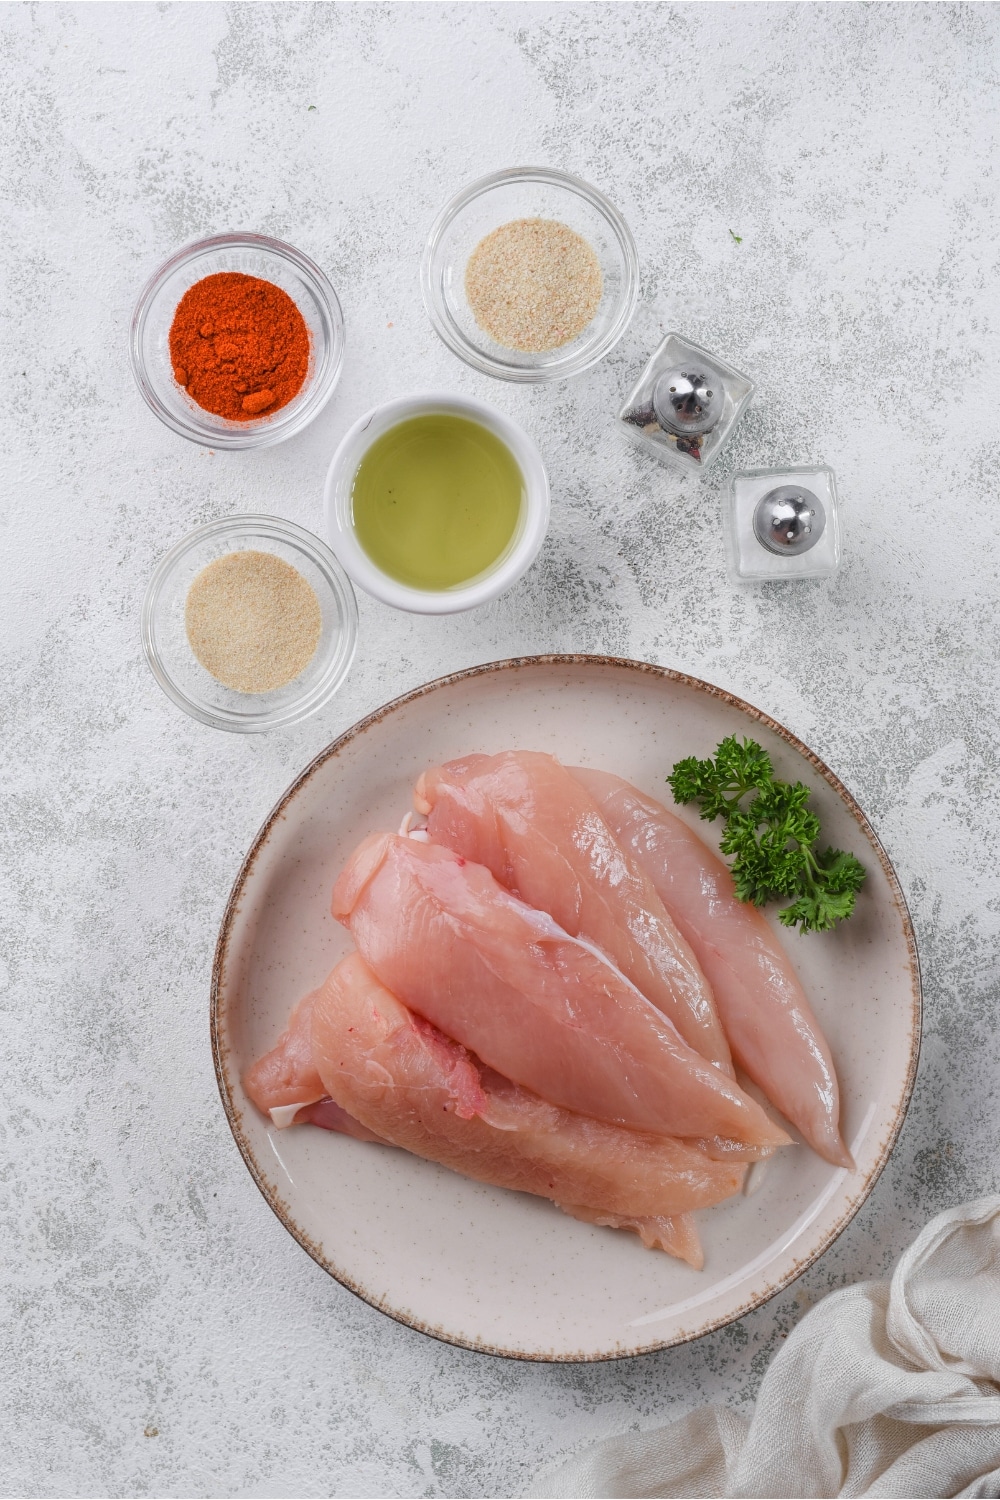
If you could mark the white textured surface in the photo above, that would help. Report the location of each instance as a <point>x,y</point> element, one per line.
<point>147,1287</point>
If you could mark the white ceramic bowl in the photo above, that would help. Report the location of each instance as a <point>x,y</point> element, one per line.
<point>354,559</point>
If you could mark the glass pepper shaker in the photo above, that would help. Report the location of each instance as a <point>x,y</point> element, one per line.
<point>686,404</point>
<point>782,524</point>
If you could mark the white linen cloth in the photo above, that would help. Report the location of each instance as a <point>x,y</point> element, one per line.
<point>886,1389</point>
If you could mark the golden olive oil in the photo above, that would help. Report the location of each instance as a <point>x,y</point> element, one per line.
<point>437,501</point>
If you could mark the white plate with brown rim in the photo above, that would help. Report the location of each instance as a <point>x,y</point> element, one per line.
<point>503,1272</point>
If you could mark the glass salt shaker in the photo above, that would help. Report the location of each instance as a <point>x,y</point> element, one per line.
<point>782,524</point>
<point>686,405</point>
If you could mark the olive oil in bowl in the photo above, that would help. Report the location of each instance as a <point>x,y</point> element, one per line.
<point>437,501</point>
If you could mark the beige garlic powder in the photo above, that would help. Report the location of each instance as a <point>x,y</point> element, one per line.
<point>253,621</point>
<point>533,284</point>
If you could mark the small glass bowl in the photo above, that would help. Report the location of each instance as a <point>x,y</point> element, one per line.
<point>177,669</point>
<point>528,193</point>
<point>254,255</point>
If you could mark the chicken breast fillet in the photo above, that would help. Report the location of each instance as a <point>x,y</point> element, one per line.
<point>548,1011</point>
<point>409,1085</point>
<point>543,836</point>
<point>772,1030</point>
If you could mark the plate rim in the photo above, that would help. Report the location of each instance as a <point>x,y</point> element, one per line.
<point>281,1209</point>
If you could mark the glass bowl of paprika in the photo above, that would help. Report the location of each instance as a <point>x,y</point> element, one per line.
<point>237,341</point>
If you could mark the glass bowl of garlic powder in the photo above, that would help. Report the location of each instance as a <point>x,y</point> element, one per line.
<point>530,275</point>
<point>250,624</point>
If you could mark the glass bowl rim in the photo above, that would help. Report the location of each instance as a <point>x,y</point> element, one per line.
<point>455,339</point>
<point>237,437</point>
<point>268,527</point>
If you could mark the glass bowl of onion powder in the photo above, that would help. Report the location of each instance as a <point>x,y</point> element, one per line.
<point>249,624</point>
<point>530,275</point>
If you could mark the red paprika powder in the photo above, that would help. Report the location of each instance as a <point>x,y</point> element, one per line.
<point>239,346</point>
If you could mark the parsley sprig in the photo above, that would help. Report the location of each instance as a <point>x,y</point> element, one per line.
<point>772,837</point>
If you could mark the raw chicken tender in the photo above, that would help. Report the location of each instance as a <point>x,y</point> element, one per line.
<point>412,1086</point>
<point>678,1236</point>
<point>284,1082</point>
<point>542,835</point>
<point>775,1037</point>
<point>547,1011</point>
<point>287,1075</point>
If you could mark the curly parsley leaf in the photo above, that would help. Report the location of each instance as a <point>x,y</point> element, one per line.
<point>771,837</point>
<point>719,784</point>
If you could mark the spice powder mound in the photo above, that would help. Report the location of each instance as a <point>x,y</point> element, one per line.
<point>239,346</point>
<point>533,284</point>
<point>253,621</point>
